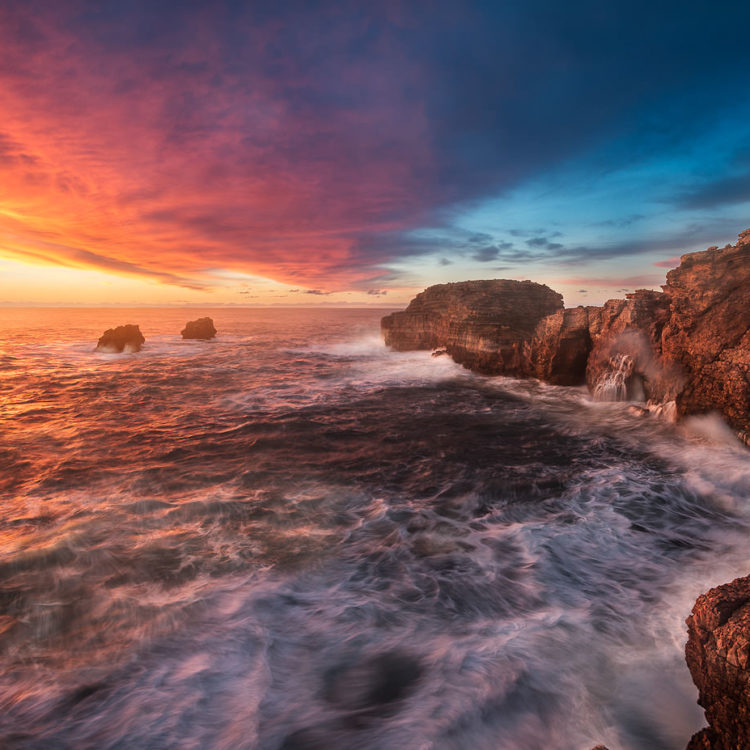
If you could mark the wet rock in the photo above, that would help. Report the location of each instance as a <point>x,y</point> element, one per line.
<point>718,656</point>
<point>632,328</point>
<point>483,325</point>
<point>708,332</point>
<point>202,328</point>
<point>127,338</point>
<point>439,352</point>
<point>638,411</point>
<point>685,349</point>
<point>560,348</point>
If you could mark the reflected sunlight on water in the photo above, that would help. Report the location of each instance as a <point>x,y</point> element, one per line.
<point>290,537</point>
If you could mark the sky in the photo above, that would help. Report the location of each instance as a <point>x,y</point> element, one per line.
<point>350,153</point>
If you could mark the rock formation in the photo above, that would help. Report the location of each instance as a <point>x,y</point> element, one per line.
<point>483,325</point>
<point>632,328</point>
<point>203,328</point>
<point>718,656</point>
<point>560,347</point>
<point>685,349</point>
<point>708,332</point>
<point>127,338</point>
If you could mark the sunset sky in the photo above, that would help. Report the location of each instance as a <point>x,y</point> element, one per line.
<point>354,153</point>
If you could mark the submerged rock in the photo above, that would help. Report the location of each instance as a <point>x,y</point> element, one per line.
<point>483,325</point>
<point>127,338</point>
<point>203,328</point>
<point>718,656</point>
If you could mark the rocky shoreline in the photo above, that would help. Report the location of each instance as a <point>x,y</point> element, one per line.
<point>684,350</point>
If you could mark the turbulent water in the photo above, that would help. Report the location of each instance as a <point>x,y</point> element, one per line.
<point>294,538</point>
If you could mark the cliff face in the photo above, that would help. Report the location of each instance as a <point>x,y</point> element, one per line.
<point>687,347</point>
<point>560,347</point>
<point>633,328</point>
<point>482,324</point>
<point>718,656</point>
<point>708,331</point>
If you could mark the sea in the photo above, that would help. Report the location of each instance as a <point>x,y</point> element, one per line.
<point>293,538</point>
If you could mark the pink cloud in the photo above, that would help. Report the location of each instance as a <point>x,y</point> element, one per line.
<point>170,164</point>
<point>669,263</point>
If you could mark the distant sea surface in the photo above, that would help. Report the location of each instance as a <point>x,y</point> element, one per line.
<point>291,537</point>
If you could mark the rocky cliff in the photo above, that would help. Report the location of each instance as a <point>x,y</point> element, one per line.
<point>708,332</point>
<point>560,347</point>
<point>687,347</point>
<point>718,656</point>
<point>483,325</point>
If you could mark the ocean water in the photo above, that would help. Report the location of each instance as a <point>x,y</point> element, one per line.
<point>291,537</point>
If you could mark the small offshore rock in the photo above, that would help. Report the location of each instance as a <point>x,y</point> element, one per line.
<point>203,328</point>
<point>127,338</point>
<point>439,352</point>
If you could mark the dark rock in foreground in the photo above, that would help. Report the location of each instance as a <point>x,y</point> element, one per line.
<point>203,328</point>
<point>718,656</point>
<point>483,325</point>
<point>127,338</point>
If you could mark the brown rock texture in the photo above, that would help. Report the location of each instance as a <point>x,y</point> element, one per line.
<point>685,349</point>
<point>708,332</point>
<point>122,338</point>
<point>483,325</point>
<point>718,656</point>
<point>633,327</point>
<point>560,348</point>
<point>202,328</point>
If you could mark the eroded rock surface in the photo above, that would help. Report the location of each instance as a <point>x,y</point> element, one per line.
<point>127,338</point>
<point>708,332</point>
<point>560,348</point>
<point>202,328</point>
<point>718,656</point>
<point>686,349</point>
<point>483,325</point>
<point>632,328</point>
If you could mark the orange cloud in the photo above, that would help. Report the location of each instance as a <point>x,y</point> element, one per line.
<point>170,162</point>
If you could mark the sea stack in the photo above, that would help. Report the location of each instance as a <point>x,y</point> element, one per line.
<point>718,656</point>
<point>127,338</point>
<point>203,328</point>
